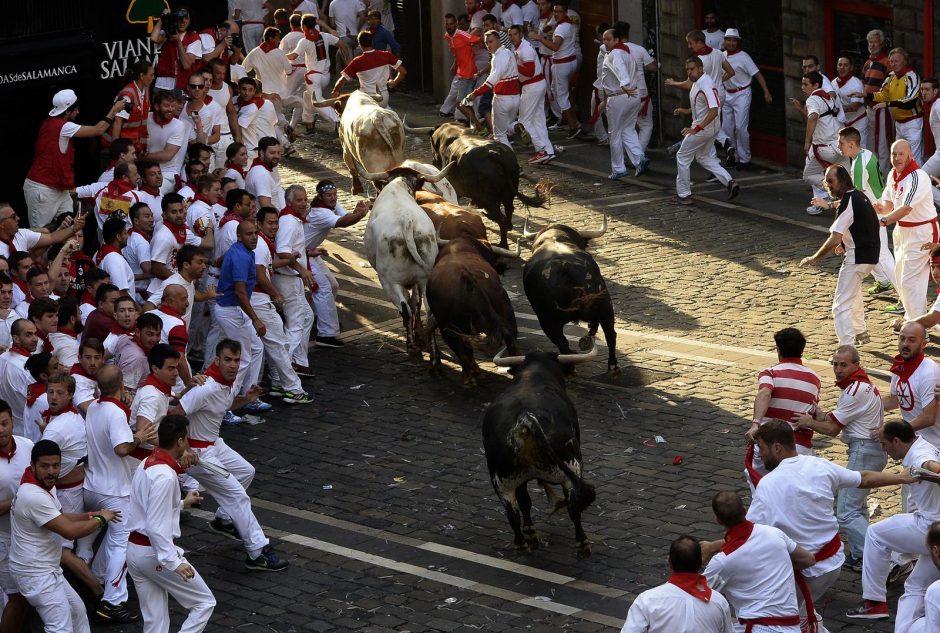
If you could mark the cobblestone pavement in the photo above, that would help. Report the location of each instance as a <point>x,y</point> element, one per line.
<point>378,493</point>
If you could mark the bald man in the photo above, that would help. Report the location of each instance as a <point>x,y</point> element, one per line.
<point>913,378</point>
<point>173,306</point>
<point>908,200</point>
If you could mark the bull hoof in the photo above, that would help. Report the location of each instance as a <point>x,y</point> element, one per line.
<point>470,382</point>
<point>585,343</point>
<point>584,550</point>
<point>613,370</point>
<point>532,539</point>
<point>522,547</point>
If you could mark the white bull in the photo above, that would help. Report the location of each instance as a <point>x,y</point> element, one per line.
<point>401,244</point>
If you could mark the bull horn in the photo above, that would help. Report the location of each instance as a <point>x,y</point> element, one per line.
<point>526,233</point>
<point>382,175</point>
<point>416,130</point>
<point>328,103</point>
<point>440,175</point>
<point>377,97</point>
<point>590,235</point>
<point>574,359</point>
<point>505,252</point>
<point>508,361</point>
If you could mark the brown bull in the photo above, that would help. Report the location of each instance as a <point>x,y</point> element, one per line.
<point>451,220</point>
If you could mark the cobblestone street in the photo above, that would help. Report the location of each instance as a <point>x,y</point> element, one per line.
<point>379,495</point>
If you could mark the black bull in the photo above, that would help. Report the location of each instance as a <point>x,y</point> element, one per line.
<point>564,285</point>
<point>485,171</point>
<point>531,431</point>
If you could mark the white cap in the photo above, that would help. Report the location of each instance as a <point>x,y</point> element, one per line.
<point>733,33</point>
<point>62,101</point>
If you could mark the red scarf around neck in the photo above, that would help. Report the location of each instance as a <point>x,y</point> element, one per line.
<point>117,188</point>
<point>821,93</point>
<point>104,251</point>
<point>314,36</point>
<point>213,372</point>
<point>267,47</point>
<point>22,351</point>
<point>35,390</point>
<point>117,330</point>
<point>736,536</point>
<point>693,584</point>
<point>153,191</point>
<point>78,370</point>
<point>29,478</point>
<point>118,403</point>
<point>161,456</point>
<point>289,211</point>
<point>154,382</point>
<point>230,216</point>
<point>48,414</point>
<point>258,101</point>
<point>904,369</point>
<point>705,50</point>
<point>9,455</point>
<point>896,178</point>
<point>859,376</point>
<point>178,231</point>
<point>47,345</point>
<point>620,46</point>
<point>240,170</point>
<point>144,234</point>
<point>258,161</point>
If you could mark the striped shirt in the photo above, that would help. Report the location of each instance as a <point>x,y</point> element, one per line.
<point>794,390</point>
<point>874,72</point>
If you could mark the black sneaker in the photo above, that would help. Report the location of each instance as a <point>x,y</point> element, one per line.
<point>267,560</point>
<point>575,133</point>
<point>329,341</point>
<point>730,157</point>
<point>115,613</point>
<point>733,190</point>
<point>227,529</point>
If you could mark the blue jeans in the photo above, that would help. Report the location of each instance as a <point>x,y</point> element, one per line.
<point>852,506</point>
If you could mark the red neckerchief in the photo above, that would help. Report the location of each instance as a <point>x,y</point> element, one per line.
<point>289,211</point>
<point>202,198</point>
<point>230,216</point>
<point>267,47</point>
<point>119,404</point>
<point>146,236</point>
<point>178,231</point>
<point>165,309</point>
<point>903,369</point>
<point>153,191</point>
<point>22,351</point>
<point>67,331</point>
<point>736,536</point>
<point>19,283</point>
<point>564,20</point>
<point>48,414</point>
<point>705,50</point>
<point>859,376</point>
<point>118,330</point>
<point>160,456</point>
<point>78,370</point>
<point>258,101</point>
<point>840,82</point>
<point>154,382</point>
<point>117,188</point>
<point>29,478</point>
<point>47,345</point>
<point>9,244</point>
<point>270,243</point>
<point>693,584</point>
<point>314,36</point>
<point>241,170</point>
<point>137,342</point>
<point>160,122</point>
<point>103,252</point>
<point>821,93</point>
<point>296,29</point>
<point>213,372</point>
<point>33,392</point>
<point>897,178</point>
<point>258,161</point>
<point>9,456</point>
<point>620,46</point>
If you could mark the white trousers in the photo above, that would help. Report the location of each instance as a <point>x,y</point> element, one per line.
<point>912,266</point>
<point>155,583</point>
<point>600,127</point>
<point>324,299</point>
<point>532,115</point>
<point>112,553</point>
<point>880,134</point>
<point>814,170</point>
<point>298,316</point>
<point>621,121</point>
<point>700,148</point>
<point>913,132</point>
<point>505,113</point>
<point>293,104</point>
<point>848,308</point>
<point>931,620</point>
<point>644,123</point>
<point>902,533</point>
<point>316,83</point>
<point>231,493</point>
<point>59,607</point>
<point>735,117</point>
<point>235,324</point>
<point>561,84</point>
<point>44,203</point>
<point>277,347</point>
<point>884,270</point>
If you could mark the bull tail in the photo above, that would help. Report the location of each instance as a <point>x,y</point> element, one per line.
<point>504,335</point>
<point>582,493</point>
<point>542,197</point>
<point>425,260</point>
<point>383,132</point>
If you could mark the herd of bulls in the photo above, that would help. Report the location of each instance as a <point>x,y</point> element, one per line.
<point>428,250</point>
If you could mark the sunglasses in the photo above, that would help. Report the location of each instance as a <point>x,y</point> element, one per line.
<point>197,86</point>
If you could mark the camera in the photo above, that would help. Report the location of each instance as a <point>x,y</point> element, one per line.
<point>170,21</point>
<point>128,107</point>
<point>237,41</point>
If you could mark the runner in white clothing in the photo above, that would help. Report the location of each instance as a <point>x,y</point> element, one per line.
<point>274,70</point>
<point>685,603</point>
<point>562,45</point>
<point>15,451</point>
<point>503,80</point>
<point>931,620</point>
<point>373,69</point>
<point>623,104</point>
<point>532,97</point>
<point>850,96</point>
<point>698,139</point>
<point>913,378</point>
<point>821,138</point>
<point>257,117</point>
<point>264,178</point>
<point>314,48</point>
<point>736,104</point>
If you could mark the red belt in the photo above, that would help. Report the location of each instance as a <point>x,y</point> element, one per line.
<point>830,549</point>
<point>910,224</point>
<point>826,164</point>
<point>537,78</point>
<point>299,65</point>
<point>564,60</point>
<point>785,620</point>
<point>731,91</point>
<point>139,539</point>
<point>200,443</point>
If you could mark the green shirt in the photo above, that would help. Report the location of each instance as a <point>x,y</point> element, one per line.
<point>866,176</point>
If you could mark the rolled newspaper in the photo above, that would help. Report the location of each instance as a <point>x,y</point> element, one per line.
<point>925,475</point>
<point>215,468</point>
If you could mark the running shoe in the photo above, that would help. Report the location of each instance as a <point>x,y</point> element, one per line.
<point>297,397</point>
<point>862,339</point>
<point>226,528</point>
<point>642,167</point>
<point>276,391</point>
<point>537,157</point>
<point>575,133</point>
<point>733,190</point>
<point>267,560</point>
<point>814,210</point>
<point>896,308</point>
<point>869,610</point>
<point>899,572</point>
<point>878,289</point>
<point>115,613</point>
<point>230,419</point>
<point>617,175</point>
<point>256,407</point>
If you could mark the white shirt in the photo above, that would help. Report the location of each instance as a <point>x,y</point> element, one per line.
<point>568,47</point>
<point>107,427</point>
<point>373,69</point>
<point>320,221</point>
<point>154,510</point>
<point>132,360</point>
<point>263,257</point>
<point>502,66</point>
<point>6,339</point>
<point>757,577</point>
<point>744,68</point>
<point>925,496</point>
<point>827,125</point>
<point>713,63</point>
<point>136,252</point>
<point>704,97</point>
<point>256,123</point>
<point>618,70</point>
<point>511,16</point>
<point>85,389</point>
<point>157,297</point>
<point>669,609</point>
<point>715,39</point>
<point>915,190</point>
<point>34,550</point>
<point>525,52</point>
<point>272,68</point>
<point>66,348</point>
<point>851,86</point>
<point>211,114</point>
<point>530,14</point>
<point>290,239</point>
<point>934,123</point>
<point>307,52</point>
<point>163,249</point>
<point>916,393</point>
<point>11,471</point>
<point>149,403</point>
<point>23,240</point>
<point>345,15</point>
<point>307,6</point>
<point>67,429</point>
<point>225,238</point>
<point>931,619</point>
<point>262,181</point>
<point>32,416</point>
<point>642,58</point>
<point>120,272</point>
<point>159,136</point>
<point>205,405</point>
<point>799,497</point>
<point>199,217</point>
<point>14,382</point>
<point>222,96</point>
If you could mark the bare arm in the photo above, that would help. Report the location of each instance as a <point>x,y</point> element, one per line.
<point>801,558</point>
<point>926,417</point>
<point>729,71</point>
<point>874,479</point>
<point>826,425</point>
<point>159,270</point>
<point>761,404</point>
<point>827,247</point>
<point>165,154</point>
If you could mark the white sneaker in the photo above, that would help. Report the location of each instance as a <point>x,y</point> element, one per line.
<point>813,210</point>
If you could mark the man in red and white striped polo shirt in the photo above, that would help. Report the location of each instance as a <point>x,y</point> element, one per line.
<point>373,69</point>
<point>785,390</point>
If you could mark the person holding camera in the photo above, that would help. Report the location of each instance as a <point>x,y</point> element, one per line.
<point>131,122</point>
<point>180,50</point>
<point>222,42</point>
<point>203,113</point>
